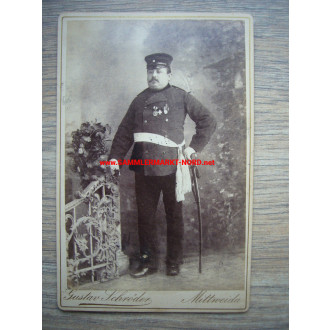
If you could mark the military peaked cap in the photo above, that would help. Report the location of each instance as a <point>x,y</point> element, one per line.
<point>158,59</point>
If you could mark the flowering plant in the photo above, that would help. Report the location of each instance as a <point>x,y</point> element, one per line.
<point>89,147</point>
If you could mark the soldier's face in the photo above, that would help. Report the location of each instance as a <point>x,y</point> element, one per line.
<point>158,78</point>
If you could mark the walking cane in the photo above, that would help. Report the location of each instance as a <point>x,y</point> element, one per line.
<point>195,176</point>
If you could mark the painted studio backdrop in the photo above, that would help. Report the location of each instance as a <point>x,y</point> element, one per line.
<point>105,70</point>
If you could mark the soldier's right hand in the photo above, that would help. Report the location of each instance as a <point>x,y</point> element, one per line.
<point>114,166</point>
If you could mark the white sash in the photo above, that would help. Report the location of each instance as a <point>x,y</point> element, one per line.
<point>183,180</point>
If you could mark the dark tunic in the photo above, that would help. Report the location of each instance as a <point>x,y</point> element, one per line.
<point>161,112</point>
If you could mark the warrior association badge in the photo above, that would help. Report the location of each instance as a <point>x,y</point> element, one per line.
<point>158,111</point>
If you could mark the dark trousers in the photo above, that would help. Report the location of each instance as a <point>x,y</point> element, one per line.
<point>148,189</point>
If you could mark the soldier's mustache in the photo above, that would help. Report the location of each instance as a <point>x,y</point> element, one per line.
<point>153,79</point>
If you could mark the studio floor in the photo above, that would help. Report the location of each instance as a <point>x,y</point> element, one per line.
<point>224,271</point>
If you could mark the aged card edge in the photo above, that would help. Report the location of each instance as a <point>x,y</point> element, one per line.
<point>182,15</point>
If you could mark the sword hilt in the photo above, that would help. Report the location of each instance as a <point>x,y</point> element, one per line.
<point>195,168</point>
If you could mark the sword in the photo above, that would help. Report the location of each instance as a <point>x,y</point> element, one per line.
<point>195,190</point>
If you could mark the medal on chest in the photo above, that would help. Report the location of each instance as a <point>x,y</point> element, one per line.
<point>157,111</point>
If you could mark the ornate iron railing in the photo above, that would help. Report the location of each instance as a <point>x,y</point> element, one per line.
<point>93,234</point>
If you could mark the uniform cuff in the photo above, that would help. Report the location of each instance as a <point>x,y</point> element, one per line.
<point>195,147</point>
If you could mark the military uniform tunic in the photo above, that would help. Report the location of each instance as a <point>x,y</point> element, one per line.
<point>161,112</point>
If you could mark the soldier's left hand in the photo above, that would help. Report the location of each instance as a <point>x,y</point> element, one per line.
<point>188,152</point>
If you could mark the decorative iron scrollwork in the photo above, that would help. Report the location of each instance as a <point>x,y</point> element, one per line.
<point>93,233</point>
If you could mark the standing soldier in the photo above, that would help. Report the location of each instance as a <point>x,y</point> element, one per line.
<point>154,122</point>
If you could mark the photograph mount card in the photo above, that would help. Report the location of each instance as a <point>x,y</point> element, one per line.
<point>154,162</point>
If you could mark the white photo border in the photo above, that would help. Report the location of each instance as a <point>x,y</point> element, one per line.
<point>162,301</point>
